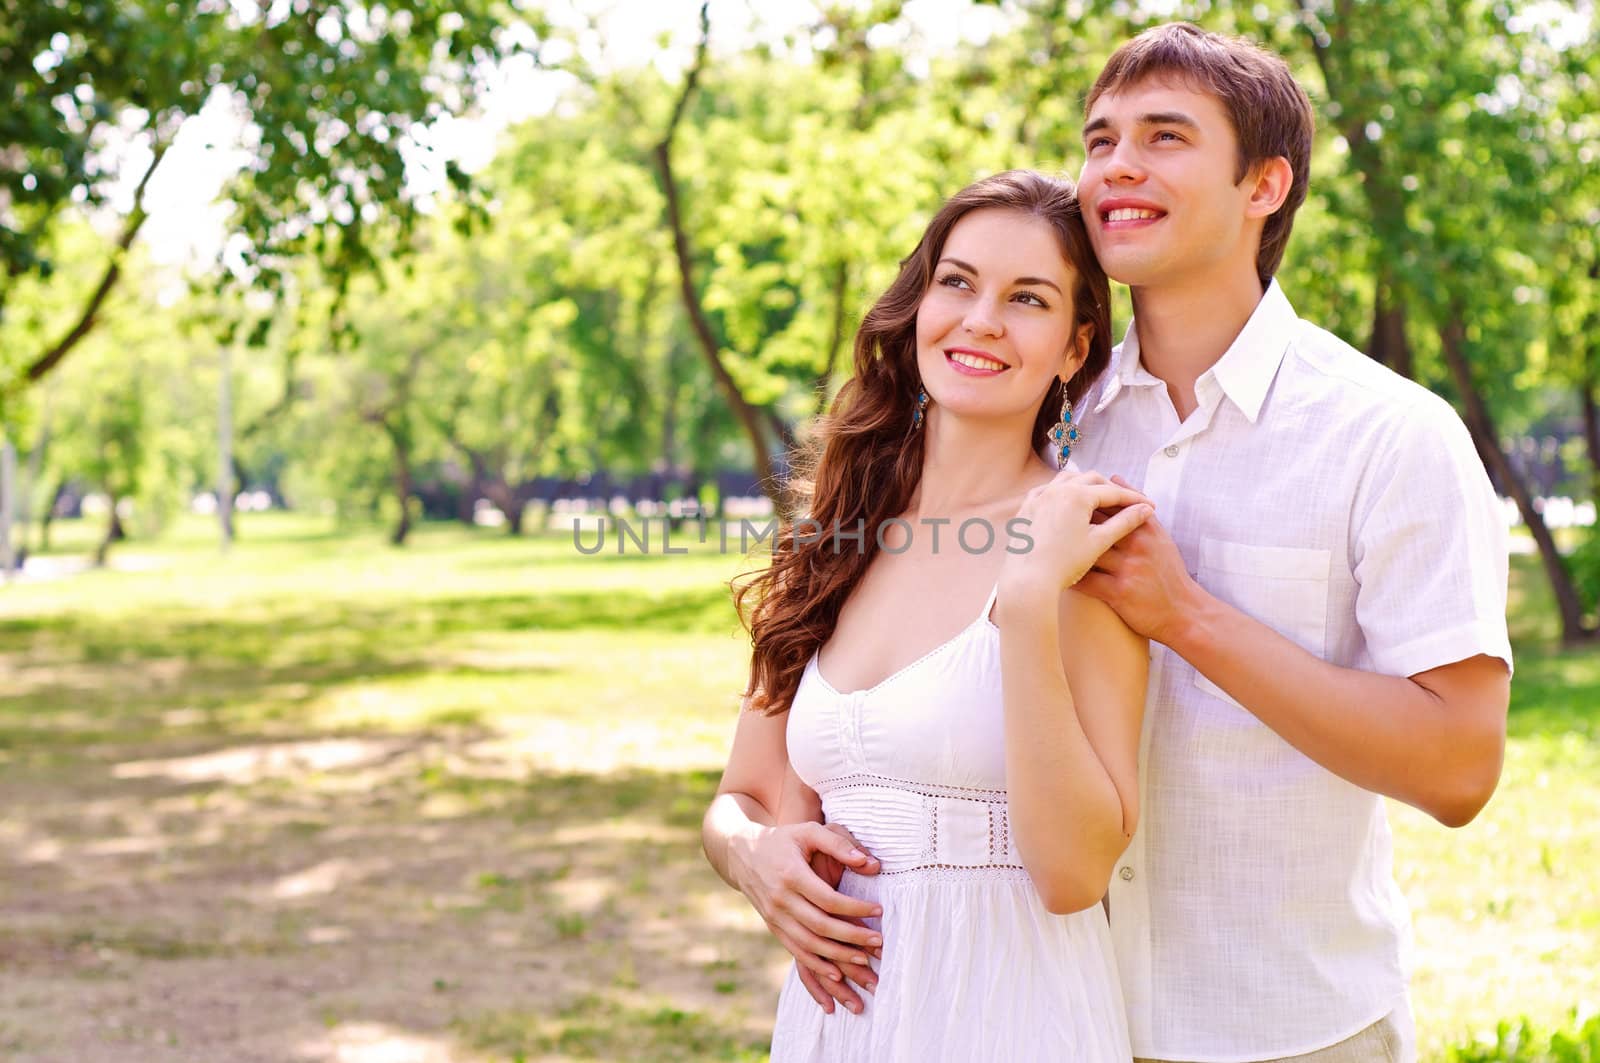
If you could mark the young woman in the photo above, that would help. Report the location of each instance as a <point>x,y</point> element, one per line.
<point>926,688</point>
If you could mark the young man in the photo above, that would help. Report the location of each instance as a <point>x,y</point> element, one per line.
<point>1324,584</point>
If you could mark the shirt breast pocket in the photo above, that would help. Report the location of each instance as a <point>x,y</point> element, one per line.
<point>1284,587</point>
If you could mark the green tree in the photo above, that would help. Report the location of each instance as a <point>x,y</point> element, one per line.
<point>327,92</point>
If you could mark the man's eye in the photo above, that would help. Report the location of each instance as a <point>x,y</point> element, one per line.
<point>1098,142</point>
<point>1167,134</point>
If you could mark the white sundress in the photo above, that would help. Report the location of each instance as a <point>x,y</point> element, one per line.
<point>974,967</point>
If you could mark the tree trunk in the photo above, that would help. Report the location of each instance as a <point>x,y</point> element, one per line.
<point>467,504</point>
<point>514,514</point>
<point>1388,344</point>
<point>35,468</point>
<point>750,418</point>
<point>226,488</point>
<point>1452,340</point>
<point>841,290</point>
<point>403,485</point>
<point>8,506</point>
<point>1589,337</point>
<point>49,514</point>
<point>1331,47</point>
<point>669,408</point>
<point>114,534</point>
<point>489,482</point>
<point>501,495</point>
<point>1591,435</point>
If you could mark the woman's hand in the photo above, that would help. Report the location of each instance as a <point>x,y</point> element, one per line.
<point>790,875</point>
<point>1062,523</point>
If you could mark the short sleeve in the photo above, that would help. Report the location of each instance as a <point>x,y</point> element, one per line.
<point>1429,547</point>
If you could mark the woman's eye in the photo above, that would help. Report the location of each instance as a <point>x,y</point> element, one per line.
<point>1032,300</point>
<point>954,280</point>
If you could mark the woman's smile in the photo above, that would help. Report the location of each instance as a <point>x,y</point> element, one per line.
<point>969,362</point>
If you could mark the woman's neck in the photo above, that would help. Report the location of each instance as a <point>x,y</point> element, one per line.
<point>969,465</point>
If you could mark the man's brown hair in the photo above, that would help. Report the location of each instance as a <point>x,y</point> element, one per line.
<point>1270,112</point>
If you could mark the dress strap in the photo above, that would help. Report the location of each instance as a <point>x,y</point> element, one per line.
<point>989,602</point>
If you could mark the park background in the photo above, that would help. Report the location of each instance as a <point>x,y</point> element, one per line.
<point>367,762</point>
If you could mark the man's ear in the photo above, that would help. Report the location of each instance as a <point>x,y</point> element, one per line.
<point>1270,179</point>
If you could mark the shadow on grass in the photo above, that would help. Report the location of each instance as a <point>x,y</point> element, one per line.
<point>76,679</point>
<point>416,887</point>
<point>183,828</point>
<point>329,630</point>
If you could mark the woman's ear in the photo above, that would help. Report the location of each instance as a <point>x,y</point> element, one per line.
<point>1078,353</point>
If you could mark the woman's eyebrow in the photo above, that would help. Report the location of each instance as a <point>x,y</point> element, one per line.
<point>1039,280</point>
<point>956,262</point>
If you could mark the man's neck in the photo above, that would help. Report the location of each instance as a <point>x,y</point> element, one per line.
<point>1184,329</point>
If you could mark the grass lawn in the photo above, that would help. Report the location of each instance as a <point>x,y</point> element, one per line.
<point>325,800</point>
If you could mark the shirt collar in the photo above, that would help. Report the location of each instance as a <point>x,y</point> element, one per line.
<point>1246,369</point>
<point>1126,370</point>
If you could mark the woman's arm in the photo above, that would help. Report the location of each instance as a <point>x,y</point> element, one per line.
<point>763,846</point>
<point>798,803</point>
<point>1074,678</point>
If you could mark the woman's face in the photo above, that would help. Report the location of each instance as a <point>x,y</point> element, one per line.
<point>996,326</point>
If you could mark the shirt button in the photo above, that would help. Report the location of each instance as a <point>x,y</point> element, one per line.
<point>1127,874</point>
<point>1171,452</point>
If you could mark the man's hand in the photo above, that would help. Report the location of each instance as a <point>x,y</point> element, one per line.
<point>1144,579</point>
<point>790,874</point>
<point>1066,535</point>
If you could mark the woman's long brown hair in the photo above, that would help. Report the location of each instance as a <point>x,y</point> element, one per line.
<point>864,459</point>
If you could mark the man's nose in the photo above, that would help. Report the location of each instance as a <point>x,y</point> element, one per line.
<point>1122,165</point>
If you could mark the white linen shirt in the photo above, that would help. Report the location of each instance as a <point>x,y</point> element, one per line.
<point>1255,913</point>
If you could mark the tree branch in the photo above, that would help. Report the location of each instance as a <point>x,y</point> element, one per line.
<point>749,417</point>
<point>281,406</point>
<point>130,229</point>
<point>692,79</point>
<point>841,284</point>
<point>1480,423</point>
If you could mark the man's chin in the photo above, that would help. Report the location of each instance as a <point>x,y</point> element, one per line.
<point>1135,271</point>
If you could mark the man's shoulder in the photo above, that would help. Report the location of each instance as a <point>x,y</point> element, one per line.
<point>1337,372</point>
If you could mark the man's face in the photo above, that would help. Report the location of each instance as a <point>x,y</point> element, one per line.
<point>1158,189</point>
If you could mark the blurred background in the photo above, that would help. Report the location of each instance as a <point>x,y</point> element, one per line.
<point>329,332</point>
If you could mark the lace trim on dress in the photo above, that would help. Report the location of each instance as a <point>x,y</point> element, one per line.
<point>917,826</point>
<point>926,789</point>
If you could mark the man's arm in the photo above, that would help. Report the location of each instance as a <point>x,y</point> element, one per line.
<point>1434,740</point>
<point>769,853</point>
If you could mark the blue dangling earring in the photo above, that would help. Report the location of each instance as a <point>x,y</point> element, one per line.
<point>922,405</point>
<point>1065,435</point>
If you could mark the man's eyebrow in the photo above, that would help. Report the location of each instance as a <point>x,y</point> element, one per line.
<point>1153,118</point>
<point>956,262</point>
<point>1168,118</point>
